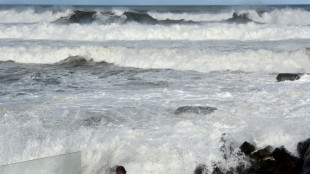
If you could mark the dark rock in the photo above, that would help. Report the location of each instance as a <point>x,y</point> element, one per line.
<point>195,110</point>
<point>289,163</point>
<point>262,154</point>
<point>280,161</point>
<point>288,76</point>
<point>302,147</point>
<point>217,170</point>
<point>200,169</point>
<point>247,148</point>
<point>282,155</point>
<point>306,164</point>
<point>239,168</point>
<point>267,166</point>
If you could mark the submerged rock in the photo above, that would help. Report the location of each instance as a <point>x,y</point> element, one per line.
<point>288,76</point>
<point>195,110</point>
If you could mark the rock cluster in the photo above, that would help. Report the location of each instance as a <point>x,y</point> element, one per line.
<point>267,161</point>
<point>277,161</point>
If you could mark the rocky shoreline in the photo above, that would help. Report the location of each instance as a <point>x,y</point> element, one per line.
<point>267,160</point>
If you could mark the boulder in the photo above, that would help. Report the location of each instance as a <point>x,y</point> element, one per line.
<point>265,166</point>
<point>280,161</point>
<point>306,163</point>
<point>262,154</point>
<point>247,148</point>
<point>195,110</point>
<point>303,149</point>
<point>288,76</point>
<point>289,163</point>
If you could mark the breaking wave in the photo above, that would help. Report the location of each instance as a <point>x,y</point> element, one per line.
<point>132,31</point>
<point>164,58</point>
<point>104,15</point>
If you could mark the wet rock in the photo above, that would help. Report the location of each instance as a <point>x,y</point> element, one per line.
<point>280,161</point>
<point>247,148</point>
<point>303,149</point>
<point>195,110</point>
<point>200,169</point>
<point>288,76</point>
<point>289,163</point>
<point>306,164</point>
<point>266,166</point>
<point>217,170</point>
<point>262,154</point>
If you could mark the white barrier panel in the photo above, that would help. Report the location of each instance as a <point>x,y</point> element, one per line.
<point>308,51</point>
<point>61,164</point>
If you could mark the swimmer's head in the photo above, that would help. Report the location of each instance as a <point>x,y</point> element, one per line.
<point>120,170</point>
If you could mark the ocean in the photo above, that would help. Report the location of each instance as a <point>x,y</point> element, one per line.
<point>107,81</point>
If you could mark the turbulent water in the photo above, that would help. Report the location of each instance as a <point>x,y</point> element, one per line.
<point>107,81</point>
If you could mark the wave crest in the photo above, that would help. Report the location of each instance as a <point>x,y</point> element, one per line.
<point>163,58</point>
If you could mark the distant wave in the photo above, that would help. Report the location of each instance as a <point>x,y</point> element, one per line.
<point>108,17</point>
<point>134,31</point>
<point>116,23</point>
<point>277,16</point>
<point>68,15</point>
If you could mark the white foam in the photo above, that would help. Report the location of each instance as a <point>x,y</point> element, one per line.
<point>166,58</point>
<point>138,129</point>
<point>134,31</point>
<point>192,16</point>
<point>283,17</point>
<point>32,15</point>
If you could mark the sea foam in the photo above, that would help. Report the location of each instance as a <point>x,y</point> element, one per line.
<point>166,58</point>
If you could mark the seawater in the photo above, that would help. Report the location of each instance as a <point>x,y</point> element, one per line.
<point>106,81</point>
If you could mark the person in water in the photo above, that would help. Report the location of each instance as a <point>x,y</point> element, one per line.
<point>120,170</point>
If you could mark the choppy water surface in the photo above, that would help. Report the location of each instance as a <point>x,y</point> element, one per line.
<point>106,81</point>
